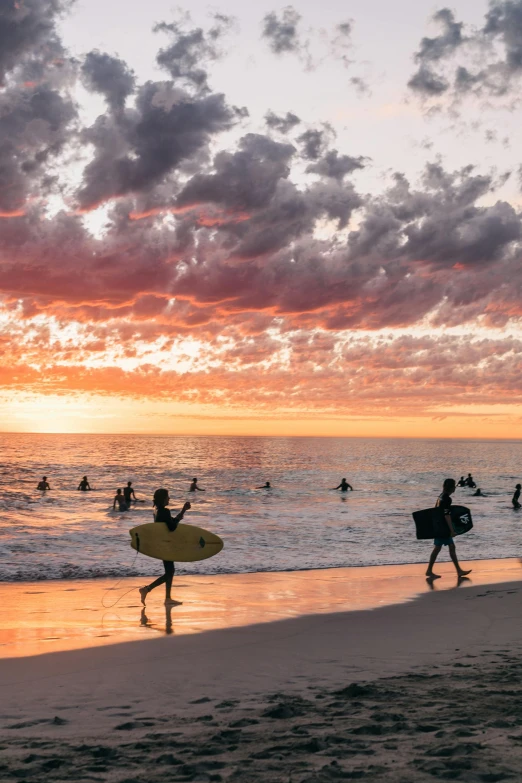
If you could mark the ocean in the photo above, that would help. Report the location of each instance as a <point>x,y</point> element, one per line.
<point>300,524</point>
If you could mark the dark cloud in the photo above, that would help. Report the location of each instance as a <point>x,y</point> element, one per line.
<point>336,166</point>
<point>139,150</point>
<point>27,31</point>
<point>244,180</point>
<point>314,142</point>
<point>109,76</point>
<point>445,44</point>
<point>191,50</point>
<point>499,42</point>
<point>281,32</point>
<point>36,109</point>
<point>281,124</point>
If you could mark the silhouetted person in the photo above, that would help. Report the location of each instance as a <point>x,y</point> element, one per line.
<point>43,484</point>
<point>462,482</point>
<point>516,496</point>
<point>444,532</point>
<point>469,482</point>
<point>344,486</point>
<point>161,501</point>
<point>265,486</point>
<point>194,486</point>
<point>120,501</point>
<point>84,485</point>
<point>478,494</point>
<point>128,492</point>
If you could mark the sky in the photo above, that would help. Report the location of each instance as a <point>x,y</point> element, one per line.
<point>269,219</point>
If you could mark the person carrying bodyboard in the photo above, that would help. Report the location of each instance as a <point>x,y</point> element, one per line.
<point>444,532</point>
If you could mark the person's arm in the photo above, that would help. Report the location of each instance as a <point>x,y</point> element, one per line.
<point>134,494</point>
<point>339,487</point>
<point>174,521</point>
<point>350,487</point>
<point>199,489</point>
<point>114,503</point>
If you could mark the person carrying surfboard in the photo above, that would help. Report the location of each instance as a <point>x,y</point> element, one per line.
<point>161,501</point>
<point>444,532</point>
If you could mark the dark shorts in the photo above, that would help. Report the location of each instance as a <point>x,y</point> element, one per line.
<point>443,541</point>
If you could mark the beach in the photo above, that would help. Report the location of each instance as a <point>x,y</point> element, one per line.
<point>425,684</point>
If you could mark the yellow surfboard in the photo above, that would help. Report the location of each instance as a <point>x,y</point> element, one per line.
<point>186,544</point>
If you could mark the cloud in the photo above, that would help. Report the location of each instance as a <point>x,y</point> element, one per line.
<point>281,31</point>
<point>281,124</point>
<point>491,55</point>
<point>192,49</point>
<point>109,76</point>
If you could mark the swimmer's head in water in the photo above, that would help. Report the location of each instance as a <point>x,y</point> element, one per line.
<point>161,498</point>
<point>449,485</point>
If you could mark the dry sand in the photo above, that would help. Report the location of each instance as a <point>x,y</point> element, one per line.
<point>411,692</point>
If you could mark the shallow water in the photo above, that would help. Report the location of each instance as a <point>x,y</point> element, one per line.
<point>300,524</point>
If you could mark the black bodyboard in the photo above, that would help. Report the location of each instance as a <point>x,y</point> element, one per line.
<point>425,521</point>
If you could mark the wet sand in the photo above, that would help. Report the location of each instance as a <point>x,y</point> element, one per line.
<point>414,691</point>
<point>43,617</point>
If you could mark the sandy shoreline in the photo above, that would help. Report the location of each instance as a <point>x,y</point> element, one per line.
<point>52,616</point>
<point>409,691</point>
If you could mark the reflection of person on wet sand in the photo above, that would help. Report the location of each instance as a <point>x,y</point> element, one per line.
<point>43,485</point>
<point>265,486</point>
<point>161,501</point>
<point>344,486</point>
<point>444,532</point>
<point>194,486</point>
<point>144,620</point>
<point>84,485</point>
<point>516,497</point>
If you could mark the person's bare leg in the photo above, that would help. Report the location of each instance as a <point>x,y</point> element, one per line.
<point>169,576</point>
<point>453,555</point>
<point>145,590</point>
<point>434,555</point>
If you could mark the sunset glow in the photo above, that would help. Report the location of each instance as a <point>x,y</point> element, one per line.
<point>183,251</point>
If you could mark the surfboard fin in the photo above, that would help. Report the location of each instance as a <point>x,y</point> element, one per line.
<point>202,542</point>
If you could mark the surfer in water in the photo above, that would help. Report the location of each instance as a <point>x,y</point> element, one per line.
<point>516,497</point>
<point>344,486</point>
<point>444,532</point>
<point>43,484</point>
<point>462,482</point>
<point>84,485</point>
<point>120,500</point>
<point>194,486</point>
<point>478,494</point>
<point>265,486</point>
<point>162,514</point>
<point>469,482</point>
<point>128,493</point>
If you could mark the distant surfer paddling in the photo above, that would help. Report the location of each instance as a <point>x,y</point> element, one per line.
<point>516,497</point>
<point>161,501</point>
<point>344,486</point>
<point>43,485</point>
<point>194,486</point>
<point>444,532</point>
<point>266,485</point>
<point>84,485</point>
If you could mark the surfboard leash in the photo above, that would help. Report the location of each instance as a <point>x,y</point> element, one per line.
<point>115,587</point>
